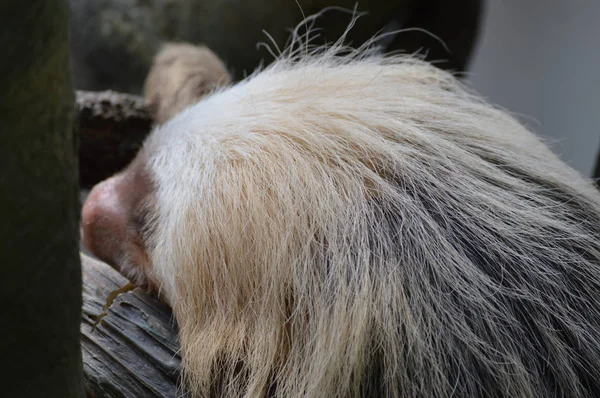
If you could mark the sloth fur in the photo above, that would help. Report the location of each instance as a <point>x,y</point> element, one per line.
<point>361,226</point>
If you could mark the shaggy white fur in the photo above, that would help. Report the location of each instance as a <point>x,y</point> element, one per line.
<point>345,226</point>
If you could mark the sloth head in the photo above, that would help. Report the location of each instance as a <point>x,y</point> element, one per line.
<point>361,226</point>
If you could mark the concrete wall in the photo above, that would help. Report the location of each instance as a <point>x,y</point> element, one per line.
<point>540,59</point>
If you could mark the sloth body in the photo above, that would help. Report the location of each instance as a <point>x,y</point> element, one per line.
<point>361,227</point>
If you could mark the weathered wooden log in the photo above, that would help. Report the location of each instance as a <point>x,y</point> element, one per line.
<point>129,338</point>
<point>112,127</point>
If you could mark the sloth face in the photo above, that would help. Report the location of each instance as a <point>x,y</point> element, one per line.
<point>116,219</point>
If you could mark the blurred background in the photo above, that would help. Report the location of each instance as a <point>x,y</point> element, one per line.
<point>540,59</point>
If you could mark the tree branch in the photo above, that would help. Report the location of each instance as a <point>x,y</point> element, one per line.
<point>129,338</point>
<point>112,127</point>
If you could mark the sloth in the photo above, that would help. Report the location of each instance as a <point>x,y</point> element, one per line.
<point>348,224</point>
<point>180,75</point>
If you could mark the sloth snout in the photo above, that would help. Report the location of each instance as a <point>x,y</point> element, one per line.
<point>104,219</point>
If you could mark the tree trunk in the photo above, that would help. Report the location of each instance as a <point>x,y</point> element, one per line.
<point>40,276</point>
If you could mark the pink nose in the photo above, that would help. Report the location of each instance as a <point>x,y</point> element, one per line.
<point>104,218</point>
